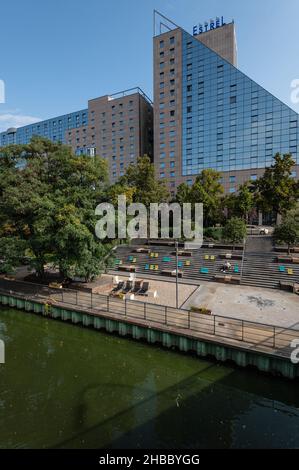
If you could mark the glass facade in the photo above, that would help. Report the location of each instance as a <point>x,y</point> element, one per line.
<point>229,122</point>
<point>53,129</point>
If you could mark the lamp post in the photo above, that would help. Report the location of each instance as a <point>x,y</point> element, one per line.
<point>177,274</point>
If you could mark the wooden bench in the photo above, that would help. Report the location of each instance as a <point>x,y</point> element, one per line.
<point>227,279</point>
<point>182,253</point>
<point>127,268</point>
<point>289,286</point>
<point>287,259</point>
<point>231,256</point>
<point>171,273</point>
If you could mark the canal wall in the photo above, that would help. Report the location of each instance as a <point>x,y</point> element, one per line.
<point>241,356</point>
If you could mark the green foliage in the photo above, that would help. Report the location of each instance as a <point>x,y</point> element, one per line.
<point>214,233</point>
<point>288,231</point>
<point>234,230</point>
<point>206,190</point>
<point>183,194</point>
<point>49,205</point>
<point>276,190</point>
<point>241,203</point>
<point>12,250</point>
<point>147,188</point>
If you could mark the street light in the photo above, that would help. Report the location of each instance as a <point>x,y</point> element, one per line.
<point>177,274</point>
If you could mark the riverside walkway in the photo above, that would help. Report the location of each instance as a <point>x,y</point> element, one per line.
<point>270,340</point>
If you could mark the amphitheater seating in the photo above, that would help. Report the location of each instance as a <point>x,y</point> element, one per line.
<point>252,269</point>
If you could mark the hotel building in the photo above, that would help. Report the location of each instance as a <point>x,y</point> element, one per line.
<point>118,127</point>
<point>208,114</point>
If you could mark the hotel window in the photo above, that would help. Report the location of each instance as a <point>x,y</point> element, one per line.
<point>161,44</point>
<point>162,174</point>
<point>172,174</point>
<point>162,165</point>
<point>232,190</point>
<point>161,54</point>
<point>172,164</point>
<point>253,177</point>
<point>171,61</point>
<point>172,113</point>
<point>172,40</point>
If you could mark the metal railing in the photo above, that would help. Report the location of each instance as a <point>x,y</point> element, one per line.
<point>272,338</point>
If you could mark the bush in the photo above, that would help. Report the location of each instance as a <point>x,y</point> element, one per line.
<point>201,310</point>
<point>214,233</point>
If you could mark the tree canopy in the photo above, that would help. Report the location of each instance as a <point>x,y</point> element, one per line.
<point>276,190</point>
<point>48,197</point>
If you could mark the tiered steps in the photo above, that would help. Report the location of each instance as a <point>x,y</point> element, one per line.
<point>262,270</point>
<point>200,259</point>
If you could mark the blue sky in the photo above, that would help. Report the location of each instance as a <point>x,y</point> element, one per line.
<point>56,54</point>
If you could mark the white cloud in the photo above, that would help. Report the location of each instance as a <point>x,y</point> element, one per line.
<point>15,120</point>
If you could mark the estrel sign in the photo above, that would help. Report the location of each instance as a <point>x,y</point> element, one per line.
<point>208,26</point>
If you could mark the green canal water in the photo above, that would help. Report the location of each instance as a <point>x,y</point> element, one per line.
<point>64,386</point>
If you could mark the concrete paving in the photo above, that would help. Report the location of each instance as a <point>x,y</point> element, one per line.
<point>249,303</point>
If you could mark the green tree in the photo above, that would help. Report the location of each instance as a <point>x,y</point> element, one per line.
<point>147,188</point>
<point>241,203</point>
<point>208,190</point>
<point>183,194</point>
<point>287,232</point>
<point>276,191</point>
<point>234,230</point>
<point>12,251</point>
<point>50,204</point>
